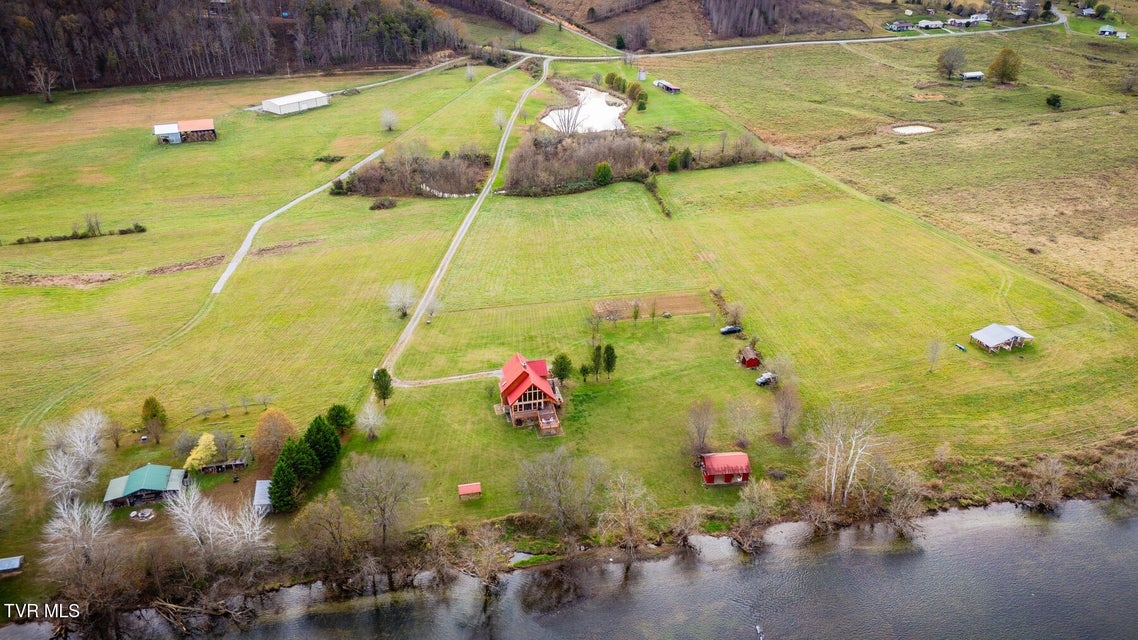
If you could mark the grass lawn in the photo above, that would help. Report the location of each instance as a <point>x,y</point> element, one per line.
<point>548,39</point>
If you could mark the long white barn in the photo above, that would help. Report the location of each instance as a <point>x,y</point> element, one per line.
<point>295,103</point>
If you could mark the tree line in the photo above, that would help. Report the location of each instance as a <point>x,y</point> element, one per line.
<point>109,42</point>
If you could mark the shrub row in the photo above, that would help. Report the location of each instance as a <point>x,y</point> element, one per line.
<point>82,235</point>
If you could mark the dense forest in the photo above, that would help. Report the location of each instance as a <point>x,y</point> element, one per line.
<point>734,18</point>
<point>108,42</point>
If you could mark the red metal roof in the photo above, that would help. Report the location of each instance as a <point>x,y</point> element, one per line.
<point>196,125</point>
<point>469,489</point>
<point>715,464</point>
<point>519,374</point>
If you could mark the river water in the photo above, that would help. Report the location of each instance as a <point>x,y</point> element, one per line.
<point>984,573</point>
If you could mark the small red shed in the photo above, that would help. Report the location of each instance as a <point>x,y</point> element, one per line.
<point>470,491</point>
<point>750,358</point>
<point>725,468</point>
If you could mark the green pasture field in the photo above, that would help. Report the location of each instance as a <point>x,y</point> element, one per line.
<point>197,199</point>
<point>1092,25</point>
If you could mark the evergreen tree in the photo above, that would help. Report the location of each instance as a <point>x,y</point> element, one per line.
<point>298,457</point>
<point>585,370</point>
<point>562,367</point>
<point>610,360</point>
<point>321,438</point>
<point>341,418</point>
<point>282,488</point>
<point>619,41</point>
<point>598,362</point>
<point>151,408</point>
<point>384,388</point>
<point>602,174</point>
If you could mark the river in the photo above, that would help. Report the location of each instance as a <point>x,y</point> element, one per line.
<point>997,572</point>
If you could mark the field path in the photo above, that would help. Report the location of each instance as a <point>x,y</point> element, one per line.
<point>433,286</point>
<point>248,243</point>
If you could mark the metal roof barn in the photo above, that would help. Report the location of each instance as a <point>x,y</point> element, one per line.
<point>261,502</point>
<point>295,103</point>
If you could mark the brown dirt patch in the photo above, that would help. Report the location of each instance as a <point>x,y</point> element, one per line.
<point>178,267</point>
<point>677,304</point>
<point>92,176</point>
<point>706,256</point>
<point>928,97</point>
<point>282,247</point>
<point>74,280</point>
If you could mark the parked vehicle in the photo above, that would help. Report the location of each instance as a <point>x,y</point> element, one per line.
<point>767,379</point>
<point>729,329</point>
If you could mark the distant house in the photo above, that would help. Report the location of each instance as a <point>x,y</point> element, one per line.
<point>295,103</point>
<point>725,468</point>
<point>11,566</point>
<point>959,22</point>
<point>529,396</point>
<point>1088,12</point>
<point>979,17</point>
<point>900,25</point>
<point>995,337</point>
<point>750,358</point>
<point>666,86</point>
<point>185,131</point>
<point>152,483</point>
<point>1107,30</point>
<point>972,75</point>
<point>930,24</point>
<point>261,502</point>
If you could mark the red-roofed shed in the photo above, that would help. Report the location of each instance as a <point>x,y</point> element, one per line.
<point>470,491</point>
<point>725,468</point>
<point>529,395</point>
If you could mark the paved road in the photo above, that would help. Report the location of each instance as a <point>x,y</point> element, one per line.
<point>1062,19</point>
<point>432,287</point>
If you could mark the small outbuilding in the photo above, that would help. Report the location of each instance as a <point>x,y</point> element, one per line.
<point>732,468</point>
<point>666,86</point>
<point>749,358</point>
<point>11,566</point>
<point>262,504</point>
<point>972,75</point>
<point>295,103</point>
<point>995,337</point>
<point>1107,30</point>
<point>1088,12</point>
<point>186,131</point>
<point>152,483</point>
<point>470,491</point>
<point>979,17</point>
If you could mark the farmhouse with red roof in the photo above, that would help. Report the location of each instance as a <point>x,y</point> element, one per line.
<point>725,468</point>
<point>529,395</point>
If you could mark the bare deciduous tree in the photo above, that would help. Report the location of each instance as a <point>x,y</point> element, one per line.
<point>154,428</point>
<point>265,399</point>
<point>629,504</point>
<point>701,417</point>
<point>88,563</point>
<point>469,72</point>
<point>370,420</point>
<point>734,313</point>
<point>273,428</point>
<point>246,402</point>
<point>73,454</point>
<point>333,537</point>
<point>1046,488</point>
<point>904,506</point>
<point>388,119</point>
<point>383,492</point>
<point>843,447</point>
<point>756,503</point>
<point>933,353</point>
<point>566,118</point>
<point>43,80</point>
<point>114,431</point>
<point>484,557</point>
<point>225,443</point>
<point>787,407</point>
<point>563,490</point>
<point>223,407</point>
<point>942,457</point>
<point>500,118</point>
<point>687,524</point>
<point>401,298</point>
<point>185,443</point>
<point>741,414</point>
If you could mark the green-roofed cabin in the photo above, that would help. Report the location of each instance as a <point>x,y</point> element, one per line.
<point>152,483</point>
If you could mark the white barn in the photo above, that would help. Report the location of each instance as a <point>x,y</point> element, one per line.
<point>995,337</point>
<point>295,103</point>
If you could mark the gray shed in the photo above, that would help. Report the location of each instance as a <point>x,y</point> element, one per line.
<point>11,565</point>
<point>261,501</point>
